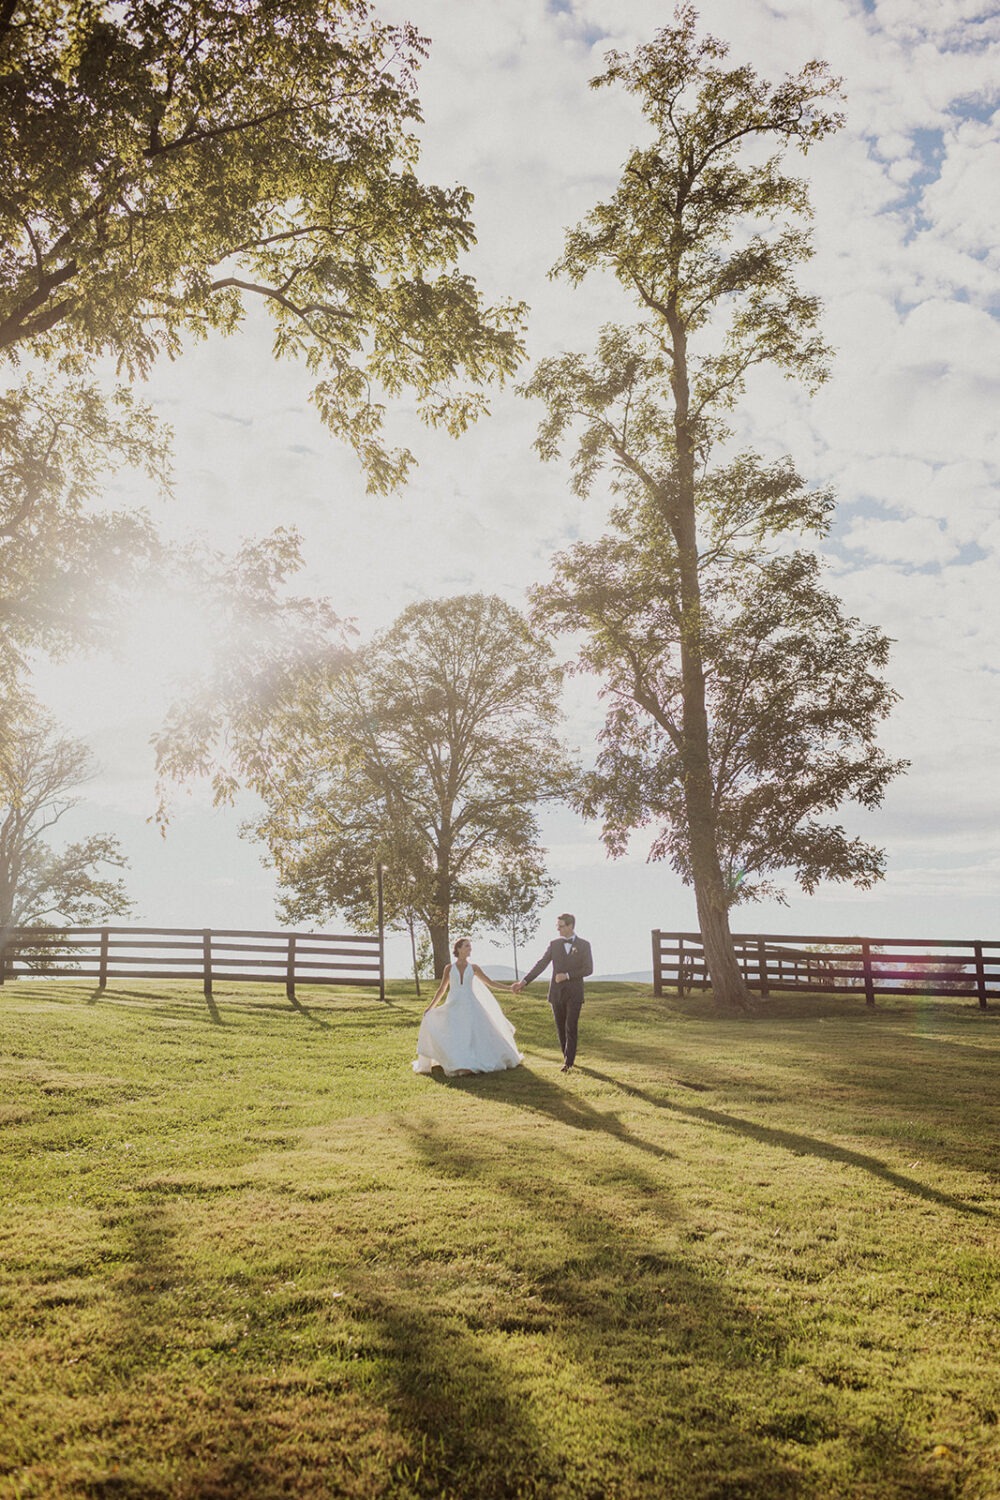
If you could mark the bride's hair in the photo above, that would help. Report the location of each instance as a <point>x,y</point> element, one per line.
<point>459,944</point>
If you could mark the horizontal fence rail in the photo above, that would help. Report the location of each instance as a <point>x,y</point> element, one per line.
<point>204,954</point>
<point>836,965</point>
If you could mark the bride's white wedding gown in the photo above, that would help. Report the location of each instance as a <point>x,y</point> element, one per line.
<point>468,1033</point>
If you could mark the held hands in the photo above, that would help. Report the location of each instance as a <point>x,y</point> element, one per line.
<point>517,986</point>
<point>561,978</point>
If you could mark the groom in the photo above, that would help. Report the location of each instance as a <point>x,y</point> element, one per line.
<point>571,962</point>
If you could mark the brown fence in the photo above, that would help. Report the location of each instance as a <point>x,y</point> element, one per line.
<point>205,954</point>
<point>836,965</point>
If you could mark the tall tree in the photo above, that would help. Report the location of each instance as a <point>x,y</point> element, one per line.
<point>40,770</point>
<point>428,750</point>
<point>793,691</point>
<point>162,165</point>
<point>705,231</point>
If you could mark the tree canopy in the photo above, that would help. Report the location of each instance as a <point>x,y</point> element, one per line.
<point>161,166</point>
<point>267,652</point>
<point>427,750</point>
<point>514,900</point>
<point>794,700</point>
<point>40,770</point>
<point>65,562</point>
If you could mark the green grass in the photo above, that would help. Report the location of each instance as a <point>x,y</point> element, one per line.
<point>248,1253</point>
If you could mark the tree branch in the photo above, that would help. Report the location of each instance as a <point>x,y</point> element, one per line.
<point>194,137</point>
<point>14,327</point>
<point>277,295</point>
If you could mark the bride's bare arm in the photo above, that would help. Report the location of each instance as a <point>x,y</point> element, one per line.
<point>442,987</point>
<point>490,984</point>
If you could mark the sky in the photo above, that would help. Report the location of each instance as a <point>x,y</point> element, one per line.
<point>905,432</point>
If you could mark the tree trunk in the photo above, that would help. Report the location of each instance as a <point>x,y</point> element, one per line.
<point>711,897</point>
<point>728,984</point>
<point>441,912</point>
<point>439,948</point>
<point>413,952</point>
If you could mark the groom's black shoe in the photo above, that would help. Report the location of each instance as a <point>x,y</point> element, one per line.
<point>566,1068</point>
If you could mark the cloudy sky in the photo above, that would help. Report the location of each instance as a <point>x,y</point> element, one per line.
<point>905,431</point>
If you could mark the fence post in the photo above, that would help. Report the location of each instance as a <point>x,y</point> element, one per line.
<point>102,978</point>
<point>657,964</point>
<point>381,935</point>
<point>206,961</point>
<point>290,970</point>
<point>762,967</point>
<point>680,966</point>
<point>866,958</point>
<point>977,949</point>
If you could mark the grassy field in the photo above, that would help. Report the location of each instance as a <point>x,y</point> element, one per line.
<point>246,1252</point>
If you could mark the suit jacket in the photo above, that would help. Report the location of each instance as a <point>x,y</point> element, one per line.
<point>578,963</point>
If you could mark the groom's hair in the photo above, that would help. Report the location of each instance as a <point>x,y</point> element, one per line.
<point>568,918</point>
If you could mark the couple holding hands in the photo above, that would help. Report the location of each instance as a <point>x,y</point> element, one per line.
<point>464,1030</point>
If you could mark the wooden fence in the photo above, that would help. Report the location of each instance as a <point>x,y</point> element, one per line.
<point>837,965</point>
<point>205,954</point>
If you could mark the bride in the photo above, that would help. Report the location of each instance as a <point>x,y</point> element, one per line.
<point>466,1031</point>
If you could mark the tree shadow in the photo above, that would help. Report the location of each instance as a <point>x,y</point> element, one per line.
<point>522,1088</point>
<point>800,1145</point>
<point>592,1286</point>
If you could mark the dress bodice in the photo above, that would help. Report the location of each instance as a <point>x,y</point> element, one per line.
<point>459,983</point>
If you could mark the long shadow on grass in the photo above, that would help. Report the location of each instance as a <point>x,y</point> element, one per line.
<point>162,1001</point>
<point>525,1089</point>
<point>655,1378</point>
<point>800,1145</point>
<point>204,1001</point>
<point>211,1423</point>
<point>473,1432</point>
<point>306,1013</point>
<point>619,1401</point>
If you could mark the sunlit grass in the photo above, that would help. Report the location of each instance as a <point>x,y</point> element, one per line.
<point>248,1253</point>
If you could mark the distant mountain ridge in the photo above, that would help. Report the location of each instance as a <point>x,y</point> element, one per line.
<point>504,974</point>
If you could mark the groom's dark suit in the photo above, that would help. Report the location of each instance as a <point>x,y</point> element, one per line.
<point>566,999</point>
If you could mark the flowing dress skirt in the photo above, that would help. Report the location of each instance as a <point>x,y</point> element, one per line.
<point>467,1033</point>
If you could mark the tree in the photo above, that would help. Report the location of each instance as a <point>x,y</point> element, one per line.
<point>793,697</point>
<point>514,901</point>
<point>162,165</point>
<point>705,232</point>
<point>267,652</point>
<point>66,565</point>
<point>39,770</point>
<point>428,751</point>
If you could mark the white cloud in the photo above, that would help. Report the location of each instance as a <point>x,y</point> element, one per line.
<point>916,541</point>
<point>962,202</point>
